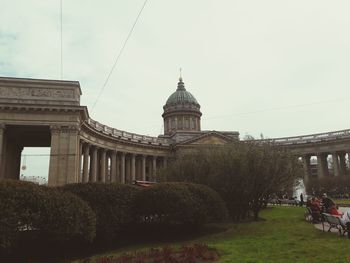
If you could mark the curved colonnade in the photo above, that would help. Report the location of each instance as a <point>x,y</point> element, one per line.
<point>146,154</point>
<point>319,147</point>
<point>111,155</point>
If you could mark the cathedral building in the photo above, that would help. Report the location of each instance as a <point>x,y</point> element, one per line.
<point>47,113</point>
<point>182,122</point>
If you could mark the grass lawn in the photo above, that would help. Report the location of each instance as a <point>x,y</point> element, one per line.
<point>284,236</point>
<point>341,202</point>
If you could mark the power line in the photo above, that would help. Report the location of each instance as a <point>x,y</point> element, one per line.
<point>262,110</point>
<point>276,108</point>
<point>61,23</point>
<point>47,154</point>
<point>118,56</point>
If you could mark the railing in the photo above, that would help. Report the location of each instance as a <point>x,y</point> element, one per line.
<point>127,136</point>
<point>295,140</point>
<point>312,138</point>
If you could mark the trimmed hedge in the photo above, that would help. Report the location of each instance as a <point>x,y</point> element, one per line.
<point>210,207</point>
<point>49,216</point>
<point>111,202</point>
<point>74,214</point>
<point>179,203</point>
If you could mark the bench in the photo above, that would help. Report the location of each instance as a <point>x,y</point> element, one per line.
<point>333,222</point>
<point>312,216</point>
<point>308,214</point>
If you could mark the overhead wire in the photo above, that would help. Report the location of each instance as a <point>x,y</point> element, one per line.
<point>277,108</point>
<point>264,110</point>
<point>61,24</point>
<point>109,73</point>
<point>46,154</point>
<point>116,60</point>
<point>118,56</point>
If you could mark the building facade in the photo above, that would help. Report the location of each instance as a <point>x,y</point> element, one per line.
<point>47,113</point>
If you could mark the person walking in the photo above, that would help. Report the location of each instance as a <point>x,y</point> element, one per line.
<point>301,199</point>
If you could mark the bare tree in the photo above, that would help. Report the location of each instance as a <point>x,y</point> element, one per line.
<point>245,174</point>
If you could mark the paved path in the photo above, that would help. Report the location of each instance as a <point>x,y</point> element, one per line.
<point>326,226</point>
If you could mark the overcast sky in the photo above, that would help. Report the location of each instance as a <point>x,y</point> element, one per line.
<point>276,67</point>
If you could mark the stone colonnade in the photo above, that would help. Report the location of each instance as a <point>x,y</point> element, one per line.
<point>338,164</point>
<point>99,164</point>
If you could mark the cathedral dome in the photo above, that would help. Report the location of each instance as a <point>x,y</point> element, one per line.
<point>181,96</point>
<point>181,112</point>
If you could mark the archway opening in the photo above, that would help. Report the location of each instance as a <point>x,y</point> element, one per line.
<point>23,144</point>
<point>35,164</point>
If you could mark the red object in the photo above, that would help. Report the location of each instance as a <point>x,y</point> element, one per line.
<point>315,206</point>
<point>333,211</point>
<point>144,183</point>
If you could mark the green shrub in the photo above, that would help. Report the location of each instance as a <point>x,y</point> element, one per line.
<point>111,202</point>
<point>47,215</point>
<point>14,213</point>
<point>178,203</point>
<point>66,217</point>
<point>210,207</point>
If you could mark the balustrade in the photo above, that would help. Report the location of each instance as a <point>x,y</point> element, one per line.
<point>127,135</point>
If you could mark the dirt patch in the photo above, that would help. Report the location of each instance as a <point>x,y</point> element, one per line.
<point>197,253</point>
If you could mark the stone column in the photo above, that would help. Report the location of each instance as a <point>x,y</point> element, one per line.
<point>103,166</point>
<point>122,168</point>
<point>108,168</point>
<point>307,168</point>
<point>2,151</point>
<point>94,164</point>
<point>86,163</point>
<point>127,168</point>
<point>322,165</point>
<point>165,162</point>
<point>335,164</point>
<point>113,166</point>
<point>54,158</point>
<point>117,167</point>
<point>13,160</point>
<point>64,155</point>
<point>133,167</point>
<point>137,168</point>
<point>143,173</point>
<point>80,167</point>
<point>154,169</point>
<point>342,163</point>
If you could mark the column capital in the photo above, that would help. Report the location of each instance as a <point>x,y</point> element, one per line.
<point>86,146</point>
<point>55,129</point>
<point>75,128</point>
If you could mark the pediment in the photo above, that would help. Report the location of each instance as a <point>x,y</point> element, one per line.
<point>212,138</point>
